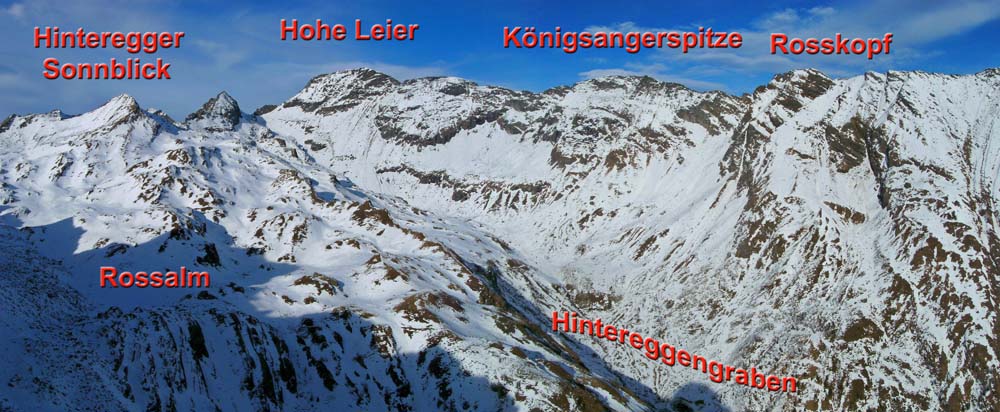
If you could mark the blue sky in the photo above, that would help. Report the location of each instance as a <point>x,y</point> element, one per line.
<point>236,47</point>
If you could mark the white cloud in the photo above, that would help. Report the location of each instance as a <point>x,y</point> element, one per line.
<point>822,11</point>
<point>9,79</point>
<point>225,56</point>
<point>948,20</point>
<point>914,26</point>
<point>16,10</point>
<point>781,18</point>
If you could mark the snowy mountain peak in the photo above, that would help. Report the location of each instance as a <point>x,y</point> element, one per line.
<point>119,110</point>
<point>454,86</point>
<point>363,77</point>
<point>221,112</point>
<point>637,84</point>
<point>339,91</point>
<point>223,99</point>
<point>807,81</point>
<point>123,101</point>
<point>121,104</point>
<point>787,93</point>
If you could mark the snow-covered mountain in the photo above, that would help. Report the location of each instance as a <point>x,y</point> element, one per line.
<point>385,245</point>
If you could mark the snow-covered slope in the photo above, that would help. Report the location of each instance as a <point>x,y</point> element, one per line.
<point>400,245</point>
<point>321,293</point>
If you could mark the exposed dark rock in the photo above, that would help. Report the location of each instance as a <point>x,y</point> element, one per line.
<point>220,113</point>
<point>265,109</point>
